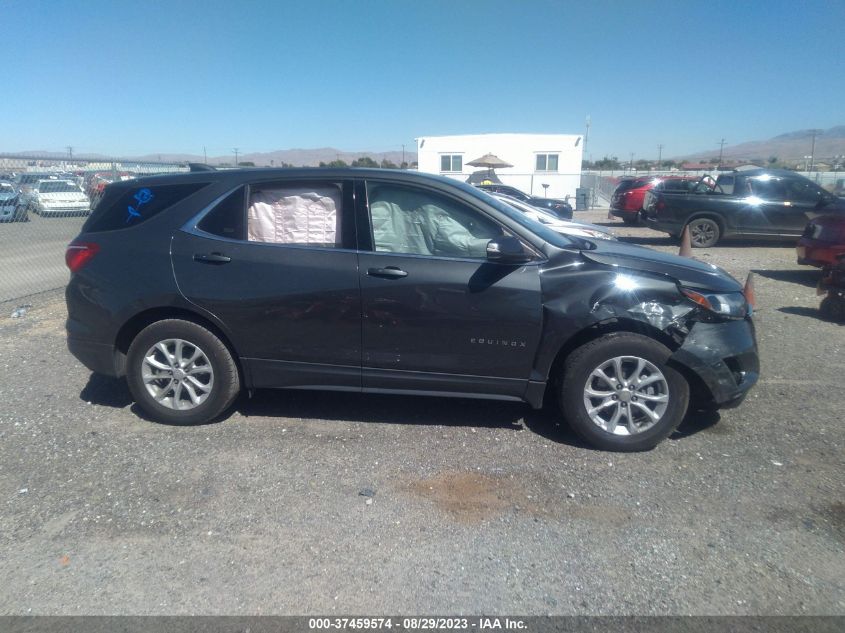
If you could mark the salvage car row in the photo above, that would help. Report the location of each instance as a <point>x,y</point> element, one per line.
<point>755,203</point>
<point>51,193</point>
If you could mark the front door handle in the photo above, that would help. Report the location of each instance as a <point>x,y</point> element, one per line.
<point>390,272</point>
<point>212,258</point>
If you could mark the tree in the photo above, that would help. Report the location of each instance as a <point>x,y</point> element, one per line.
<point>246,163</point>
<point>364,161</point>
<point>386,164</point>
<point>334,164</point>
<point>608,163</point>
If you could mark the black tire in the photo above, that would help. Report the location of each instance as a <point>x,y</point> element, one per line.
<point>833,308</point>
<point>21,214</point>
<point>631,221</point>
<point>704,232</point>
<point>579,368</point>
<point>226,379</point>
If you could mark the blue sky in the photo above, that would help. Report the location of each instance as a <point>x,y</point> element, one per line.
<point>134,78</point>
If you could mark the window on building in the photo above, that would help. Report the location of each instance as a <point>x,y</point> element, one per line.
<point>547,162</point>
<point>451,162</point>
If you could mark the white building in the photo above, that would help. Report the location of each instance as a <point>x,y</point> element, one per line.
<point>537,159</point>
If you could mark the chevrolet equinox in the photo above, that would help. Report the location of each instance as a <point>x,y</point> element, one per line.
<point>198,285</point>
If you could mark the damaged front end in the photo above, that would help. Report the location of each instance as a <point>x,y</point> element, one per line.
<point>710,332</point>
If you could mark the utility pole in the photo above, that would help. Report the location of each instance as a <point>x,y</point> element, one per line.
<point>204,155</point>
<point>721,147</point>
<point>69,153</point>
<point>632,161</point>
<point>587,124</point>
<point>236,156</point>
<point>403,156</point>
<point>659,154</point>
<point>813,149</point>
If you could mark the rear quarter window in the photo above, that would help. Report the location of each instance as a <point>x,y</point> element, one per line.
<point>129,207</point>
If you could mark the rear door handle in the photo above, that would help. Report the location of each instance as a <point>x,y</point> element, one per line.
<point>390,272</point>
<point>212,258</point>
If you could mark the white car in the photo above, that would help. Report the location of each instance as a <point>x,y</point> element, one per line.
<point>9,209</point>
<point>58,197</point>
<point>550,220</point>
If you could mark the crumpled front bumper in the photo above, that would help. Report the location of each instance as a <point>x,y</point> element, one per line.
<point>724,356</point>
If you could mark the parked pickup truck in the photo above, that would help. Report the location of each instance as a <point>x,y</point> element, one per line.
<point>770,203</point>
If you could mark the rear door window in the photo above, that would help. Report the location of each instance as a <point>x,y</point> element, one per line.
<point>129,207</point>
<point>296,214</point>
<point>769,189</point>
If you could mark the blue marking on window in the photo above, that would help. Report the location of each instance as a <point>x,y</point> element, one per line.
<point>142,197</point>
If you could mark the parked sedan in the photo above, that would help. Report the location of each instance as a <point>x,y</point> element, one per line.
<point>823,241</point>
<point>388,281</point>
<point>561,208</point>
<point>58,197</point>
<point>10,210</point>
<point>564,227</point>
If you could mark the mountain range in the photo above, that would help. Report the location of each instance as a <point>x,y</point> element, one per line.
<point>297,157</point>
<point>792,146</point>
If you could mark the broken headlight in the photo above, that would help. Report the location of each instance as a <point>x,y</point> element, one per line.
<point>730,305</point>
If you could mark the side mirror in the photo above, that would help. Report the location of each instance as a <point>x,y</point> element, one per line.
<point>507,250</point>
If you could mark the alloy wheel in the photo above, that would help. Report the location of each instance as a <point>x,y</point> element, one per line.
<point>626,395</point>
<point>703,233</point>
<point>177,374</point>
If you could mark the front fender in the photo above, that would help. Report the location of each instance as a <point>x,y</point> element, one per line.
<point>576,302</point>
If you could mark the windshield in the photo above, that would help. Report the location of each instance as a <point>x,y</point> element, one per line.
<point>554,238</point>
<point>6,188</point>
<point>58,186</point>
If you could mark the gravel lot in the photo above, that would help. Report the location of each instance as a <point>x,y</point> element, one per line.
<point>476,507</point>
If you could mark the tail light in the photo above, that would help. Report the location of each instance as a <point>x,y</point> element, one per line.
<point>80,253</point>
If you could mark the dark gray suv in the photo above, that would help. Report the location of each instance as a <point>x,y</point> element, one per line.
<point>199,285</point>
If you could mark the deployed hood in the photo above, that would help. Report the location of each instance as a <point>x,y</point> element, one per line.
<point>689,272</point>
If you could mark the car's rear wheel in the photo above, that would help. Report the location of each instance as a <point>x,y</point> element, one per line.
<point>181,373</point>
<point>631,220</point>
<point>704,232</point>
<point>619,393</point>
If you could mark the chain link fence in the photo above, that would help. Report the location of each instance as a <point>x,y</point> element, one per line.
<point>43,203</point>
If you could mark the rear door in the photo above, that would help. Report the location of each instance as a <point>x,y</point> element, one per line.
<point>275,262</point>
<point>437,316</point>
<point>782,204</point>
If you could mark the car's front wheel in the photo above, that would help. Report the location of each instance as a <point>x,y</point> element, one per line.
<point>181,373</point>
<point>619,393</point>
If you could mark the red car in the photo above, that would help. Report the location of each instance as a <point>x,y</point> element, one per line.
<point>823,241</point>
<point>627,200</point>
